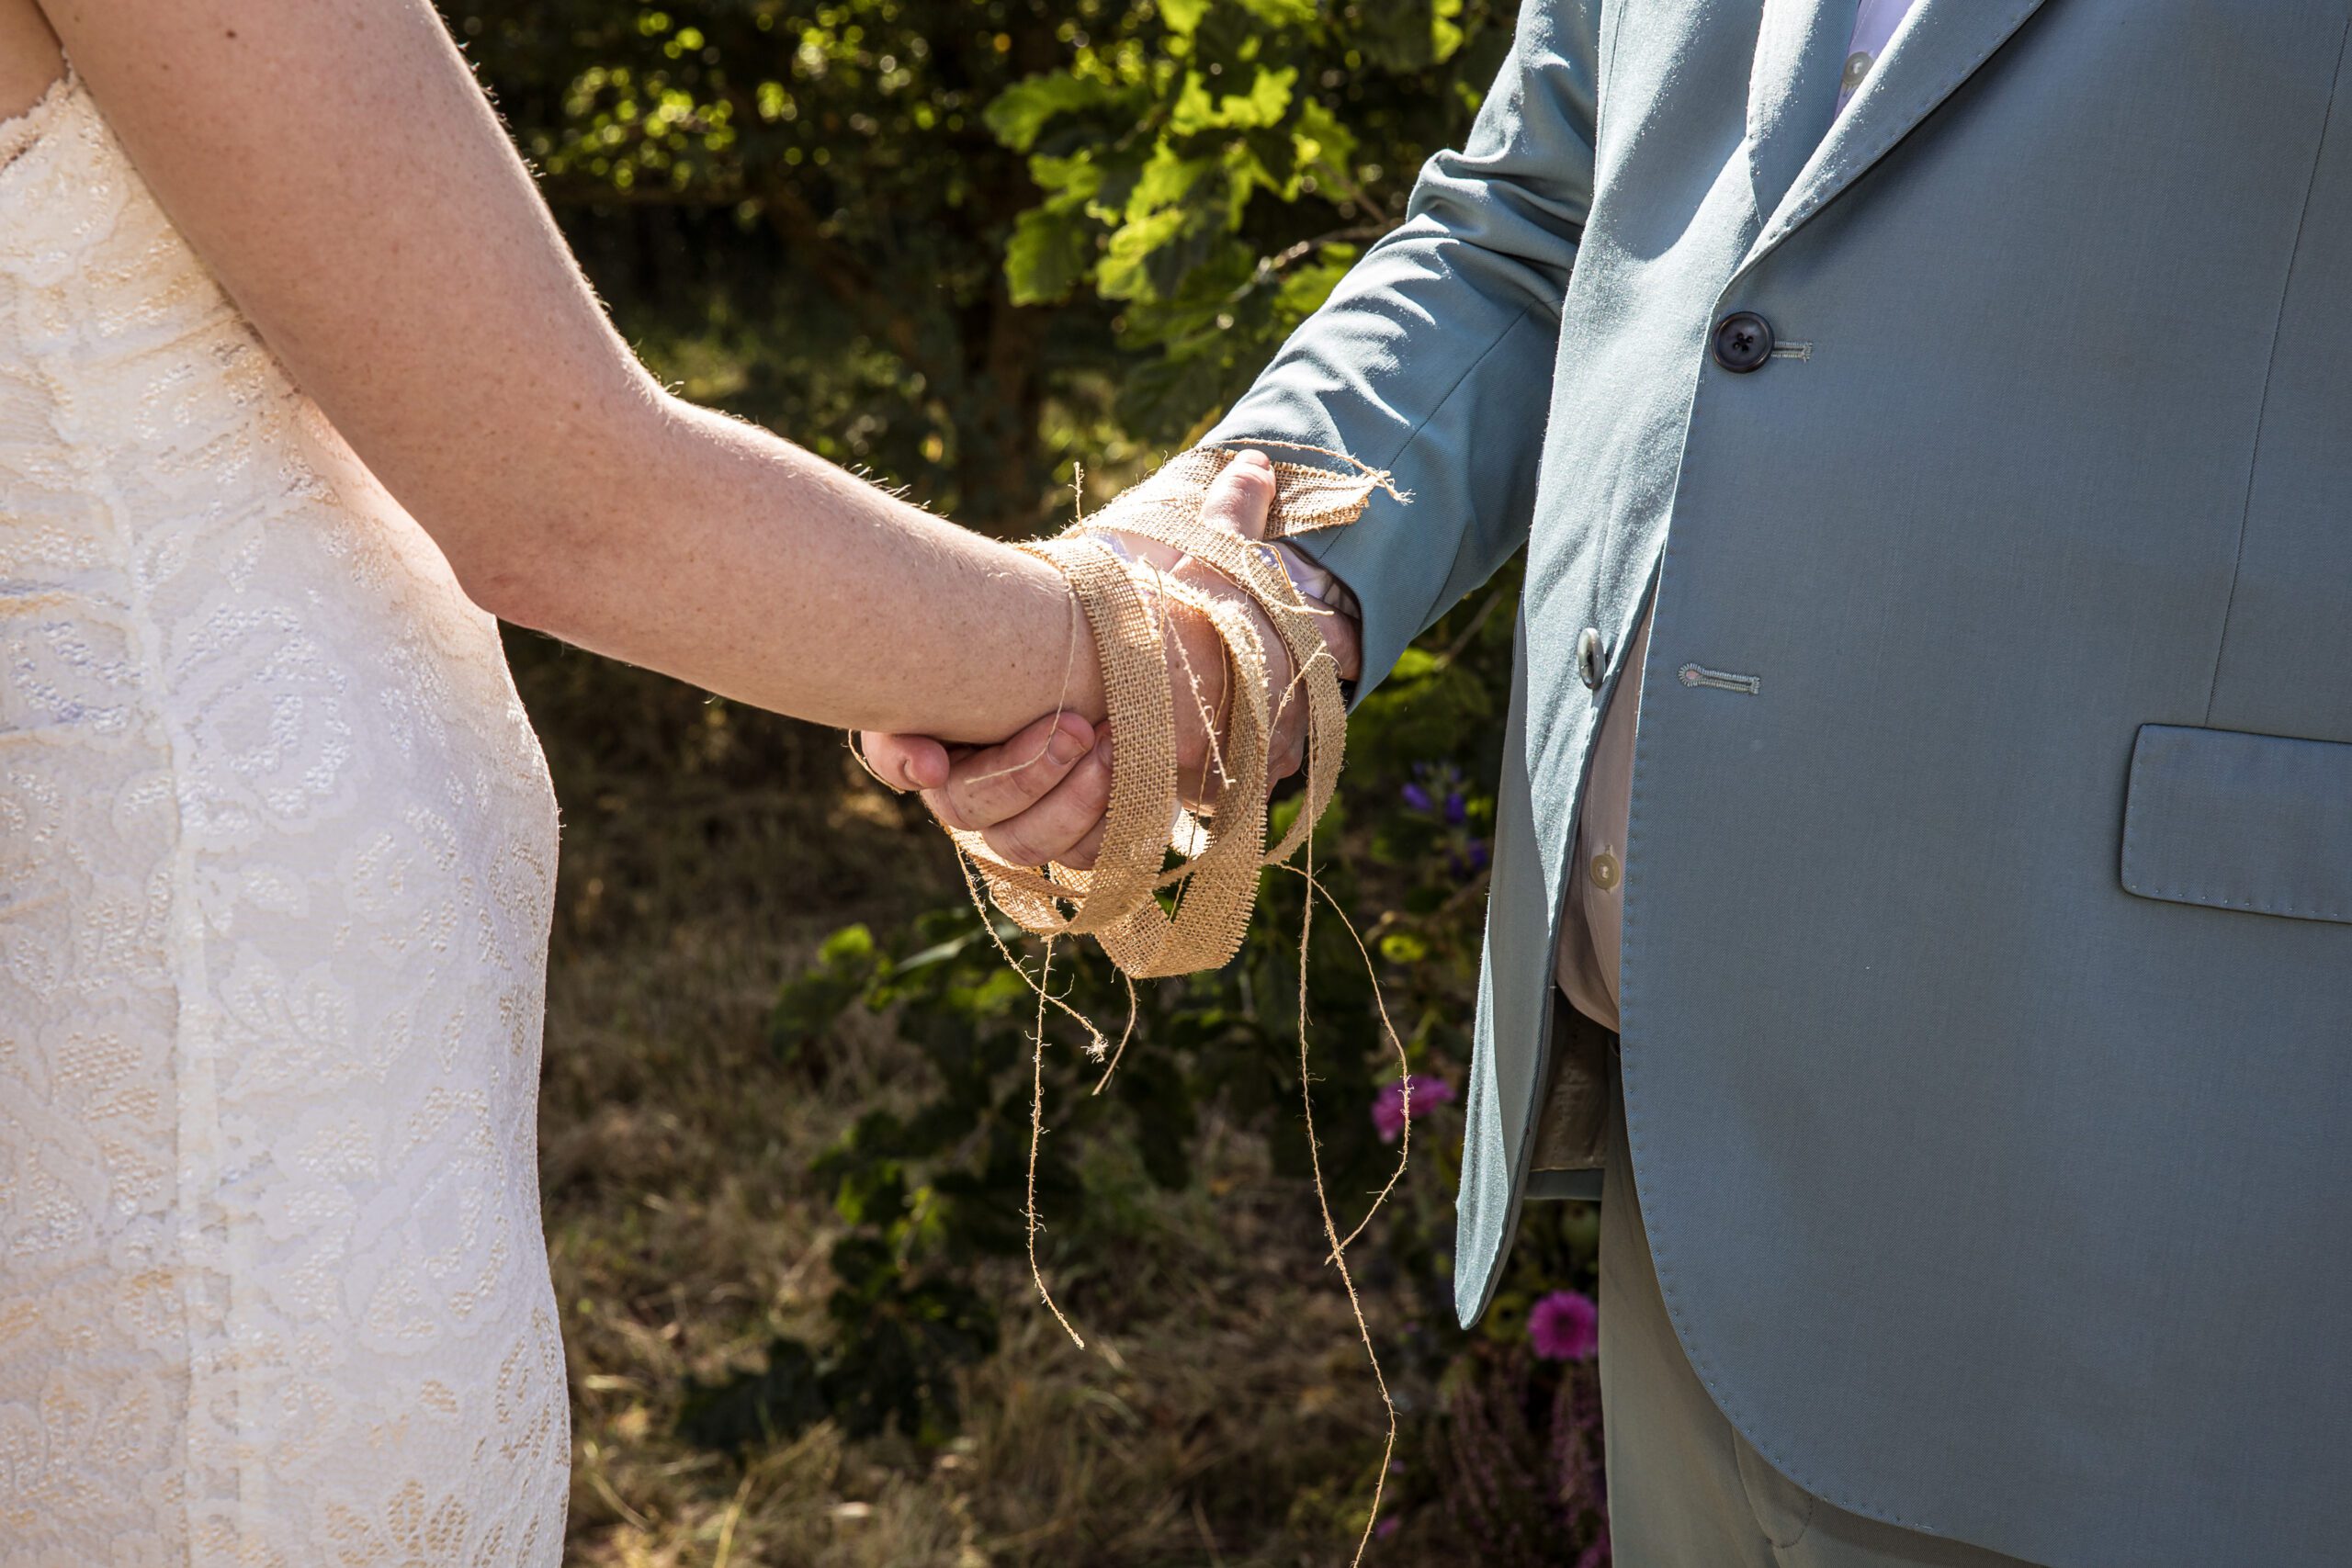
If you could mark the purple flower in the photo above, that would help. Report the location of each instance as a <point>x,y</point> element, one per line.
<point>1470,861</point>
<point>1388,1113</point>
<point>1388,1526</point>
<point>1418,798</point>
<point>1456,813</point>
<point>1565,1326</point>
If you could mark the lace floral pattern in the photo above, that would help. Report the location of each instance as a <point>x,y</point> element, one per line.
<point>277,855</point>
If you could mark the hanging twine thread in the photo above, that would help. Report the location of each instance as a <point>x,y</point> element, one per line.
<point>1173,889</point>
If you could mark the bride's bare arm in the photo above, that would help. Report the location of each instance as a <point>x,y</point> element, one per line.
<point>335,166</point>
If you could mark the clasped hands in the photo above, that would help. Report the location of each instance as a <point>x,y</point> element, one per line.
<point>1039,795</point>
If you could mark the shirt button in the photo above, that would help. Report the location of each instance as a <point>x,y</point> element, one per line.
<point>1743,342</point>
<point>1590,664</point>
<point>1602,872</point>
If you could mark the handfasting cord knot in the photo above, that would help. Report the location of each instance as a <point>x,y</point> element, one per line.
<point>1213,884</point>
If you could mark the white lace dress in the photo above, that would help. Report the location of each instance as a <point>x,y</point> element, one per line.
<point>277,853</point>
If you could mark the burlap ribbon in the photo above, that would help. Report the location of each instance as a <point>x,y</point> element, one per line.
<point>1153,917</point>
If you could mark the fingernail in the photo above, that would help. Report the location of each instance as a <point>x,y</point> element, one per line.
<point>1256,458</point>
<point>1103,750</point>
<point>1066,748</point>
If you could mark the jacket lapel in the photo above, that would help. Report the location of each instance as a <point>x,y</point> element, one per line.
<point>1792,89</point>
<point>1940,47</point>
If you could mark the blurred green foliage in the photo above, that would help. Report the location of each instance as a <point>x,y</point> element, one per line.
<point>967,242</point>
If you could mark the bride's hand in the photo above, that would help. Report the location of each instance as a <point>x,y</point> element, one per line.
<point>1036,797</point>
<point>1032,804</point>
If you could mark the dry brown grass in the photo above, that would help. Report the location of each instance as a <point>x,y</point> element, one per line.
<point>1221,1413</point>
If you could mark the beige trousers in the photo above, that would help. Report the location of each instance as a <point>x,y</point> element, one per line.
<point>1685,1489</point>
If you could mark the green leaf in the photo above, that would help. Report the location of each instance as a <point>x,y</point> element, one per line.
<point>1281,13</point>
<point>1168,178</point>
<point>1121,274</point>
<point>1445,31</point>
<point>1183,16</point>
<point>1198,111</point>
<point>1069,180</point>
<point>1302,293</point>
<point>1019,114</point>
<point>1194,110</point>
<point>1050,251</point>
<point>874,1195</point>
<point>1323,143</point>
<point>808,1005</point>
<point>1268,98</point>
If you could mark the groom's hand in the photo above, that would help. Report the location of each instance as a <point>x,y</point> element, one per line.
<point>1040,796</point>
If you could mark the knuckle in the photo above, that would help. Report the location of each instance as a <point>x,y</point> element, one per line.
<point>985,807</point>
<point>1014,788</point>
<point>1040,778</point>
<point>985,801</point>
<point>1013,848</point>
<point>1057,825</point>
<point>991,799</point>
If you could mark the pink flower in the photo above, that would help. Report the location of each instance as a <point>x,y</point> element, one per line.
<point>1565,1326</point>
<point>1388,1111</point>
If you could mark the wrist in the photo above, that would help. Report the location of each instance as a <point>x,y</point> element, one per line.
<point>1079,688</point>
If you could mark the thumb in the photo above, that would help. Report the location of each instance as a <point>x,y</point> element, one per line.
<point>1242,496</point>
<point>906,761</point>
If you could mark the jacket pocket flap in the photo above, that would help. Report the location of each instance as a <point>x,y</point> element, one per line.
<point>2236,821</point>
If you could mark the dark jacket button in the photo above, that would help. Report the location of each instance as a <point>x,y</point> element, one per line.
<point>1743,342</point>
<point>1590,663</point>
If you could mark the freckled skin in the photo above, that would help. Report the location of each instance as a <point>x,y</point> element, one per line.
<point>29,58</point>
<point>481,383</point>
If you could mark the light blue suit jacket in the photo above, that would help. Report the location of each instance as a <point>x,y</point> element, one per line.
<point>1988,968</point>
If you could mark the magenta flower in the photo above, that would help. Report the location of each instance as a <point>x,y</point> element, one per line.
<point>1565,1326</point>
<point>1388,1110</point>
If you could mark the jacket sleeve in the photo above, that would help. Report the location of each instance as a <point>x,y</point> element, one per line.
<point>1434,358</point>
